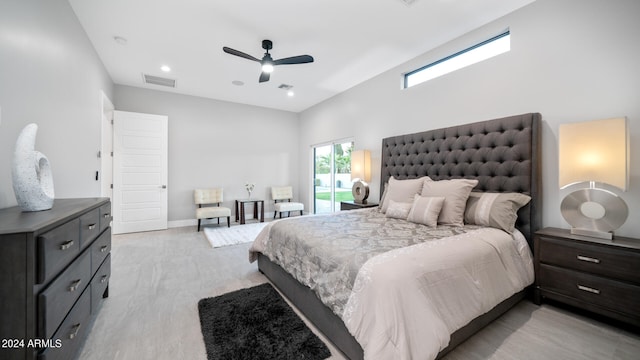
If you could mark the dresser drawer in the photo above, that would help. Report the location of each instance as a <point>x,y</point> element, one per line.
<point>105,216</point>
<point>592,289</point>
<point>99,284</point>
<point>89,227</point>
<point>56,300</point>
<point>57,248</point>
<point>100,249</point>
<point>599,260</point>
<point>72,331</point>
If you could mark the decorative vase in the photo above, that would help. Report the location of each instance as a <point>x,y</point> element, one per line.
<point>31,173</point>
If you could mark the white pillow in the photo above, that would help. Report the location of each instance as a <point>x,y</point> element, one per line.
<point>425,210</point>
<point>398,210</point>
<point>498,210</point>
<point>402,190</point>
<point>455,193</point>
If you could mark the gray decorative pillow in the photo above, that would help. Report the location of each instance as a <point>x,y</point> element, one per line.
<point>402,190</point>
<point>398,210</point>
<point>498,210</point>
<point>455,193</point>
<point>425,210</point>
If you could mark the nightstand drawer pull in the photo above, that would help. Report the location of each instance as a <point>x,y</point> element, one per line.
<point>91,226</point>
<point>588,289</point>
<point>588,259</point>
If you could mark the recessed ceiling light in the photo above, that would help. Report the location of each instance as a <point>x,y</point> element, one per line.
<point>165,68</point>
<point>290,93</point>
<point>237,83</point>
<point>120,40</point>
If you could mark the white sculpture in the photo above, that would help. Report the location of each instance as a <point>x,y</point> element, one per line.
<point>32,180</point>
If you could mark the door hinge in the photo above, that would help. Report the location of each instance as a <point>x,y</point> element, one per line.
<point>99,154</point>
<point>112,154</point>
<point>111,121</point>
<point>111,186</point>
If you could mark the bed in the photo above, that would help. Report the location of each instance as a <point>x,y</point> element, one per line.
<point>494,157</point>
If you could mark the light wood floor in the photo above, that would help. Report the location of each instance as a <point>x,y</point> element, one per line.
<point>158,278</point>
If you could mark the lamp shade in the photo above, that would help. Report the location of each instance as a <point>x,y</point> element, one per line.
<point>594,151</point>
<point>361,165</point>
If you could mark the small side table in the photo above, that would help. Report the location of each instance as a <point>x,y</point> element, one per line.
<point>351,205</point>
<point>240,209</point>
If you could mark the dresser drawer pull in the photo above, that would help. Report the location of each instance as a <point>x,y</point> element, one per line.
<point>75,329</point>
<point>103,248</point>
<point>92,226</point>
<point>106,216</point>
<point>104,279</point>
<point>588,289</point>
<point>66,245</point>
<point>588,259</point>
<point>74,285</point>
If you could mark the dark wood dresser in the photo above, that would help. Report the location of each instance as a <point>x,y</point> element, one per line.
<point>601,276</point>
<point>54,273</point>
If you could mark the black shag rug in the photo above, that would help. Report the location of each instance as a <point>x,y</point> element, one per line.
<point>256,323</point>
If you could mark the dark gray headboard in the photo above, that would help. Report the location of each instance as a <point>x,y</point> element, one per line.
<point>503,154</point>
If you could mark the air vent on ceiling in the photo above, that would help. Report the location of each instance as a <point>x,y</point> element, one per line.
<point>408,2</point>
<point>285,87</point>
<point>157,80</point>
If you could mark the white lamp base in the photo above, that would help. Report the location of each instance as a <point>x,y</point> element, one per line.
<point>594,212</point>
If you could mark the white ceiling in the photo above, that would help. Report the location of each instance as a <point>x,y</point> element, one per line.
<point>351,41</point>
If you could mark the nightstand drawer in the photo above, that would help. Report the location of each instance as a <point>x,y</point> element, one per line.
<point>599,260</point>
<point>592,289</point>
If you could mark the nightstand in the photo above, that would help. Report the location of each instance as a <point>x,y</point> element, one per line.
<point>350,205</point>
<point>601,276</point>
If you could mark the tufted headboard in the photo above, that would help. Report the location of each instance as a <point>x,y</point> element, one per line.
<point>502,154</point>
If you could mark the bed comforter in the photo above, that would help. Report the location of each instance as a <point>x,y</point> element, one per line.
<point>400,288</point>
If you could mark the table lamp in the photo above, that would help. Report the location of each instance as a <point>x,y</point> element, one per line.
<point>360,174</point>
<point>594,152</point>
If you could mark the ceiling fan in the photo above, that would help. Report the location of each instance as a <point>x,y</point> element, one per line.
<point>267,62</point>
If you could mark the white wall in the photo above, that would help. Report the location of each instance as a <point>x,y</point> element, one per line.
<point>50,75</point>
<point>571,60</point>
<point>215,143</point>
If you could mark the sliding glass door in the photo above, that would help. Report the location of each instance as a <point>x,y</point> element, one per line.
<point>332,175</point>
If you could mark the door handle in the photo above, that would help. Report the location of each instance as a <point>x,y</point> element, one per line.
<point>163,186</point>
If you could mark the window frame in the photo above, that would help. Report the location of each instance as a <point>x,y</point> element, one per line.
<point>405,76</point>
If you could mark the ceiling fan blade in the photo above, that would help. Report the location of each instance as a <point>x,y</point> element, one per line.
<point>300,59</point>
<point>239,53</point>
<point>264,76</point>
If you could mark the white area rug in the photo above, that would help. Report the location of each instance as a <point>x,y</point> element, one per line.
<point>236,234</point>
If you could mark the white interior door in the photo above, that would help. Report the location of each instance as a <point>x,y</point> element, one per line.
<point>106,148</point>
<point>140,143</point>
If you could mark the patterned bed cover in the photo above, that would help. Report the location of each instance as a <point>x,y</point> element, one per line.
<point>400,288</point>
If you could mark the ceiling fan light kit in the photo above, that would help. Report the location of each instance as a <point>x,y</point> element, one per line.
<point>267,63</point>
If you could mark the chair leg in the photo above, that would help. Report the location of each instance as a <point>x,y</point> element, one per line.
<point>288,213</point>
<point>199,225</point>
<point>218,221</point>
<point>274,214</point>
<point>228,221</point>
<point>301,213</point>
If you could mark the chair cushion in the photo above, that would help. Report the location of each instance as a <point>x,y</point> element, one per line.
<point>212,212</point>
<point>288,206</point>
